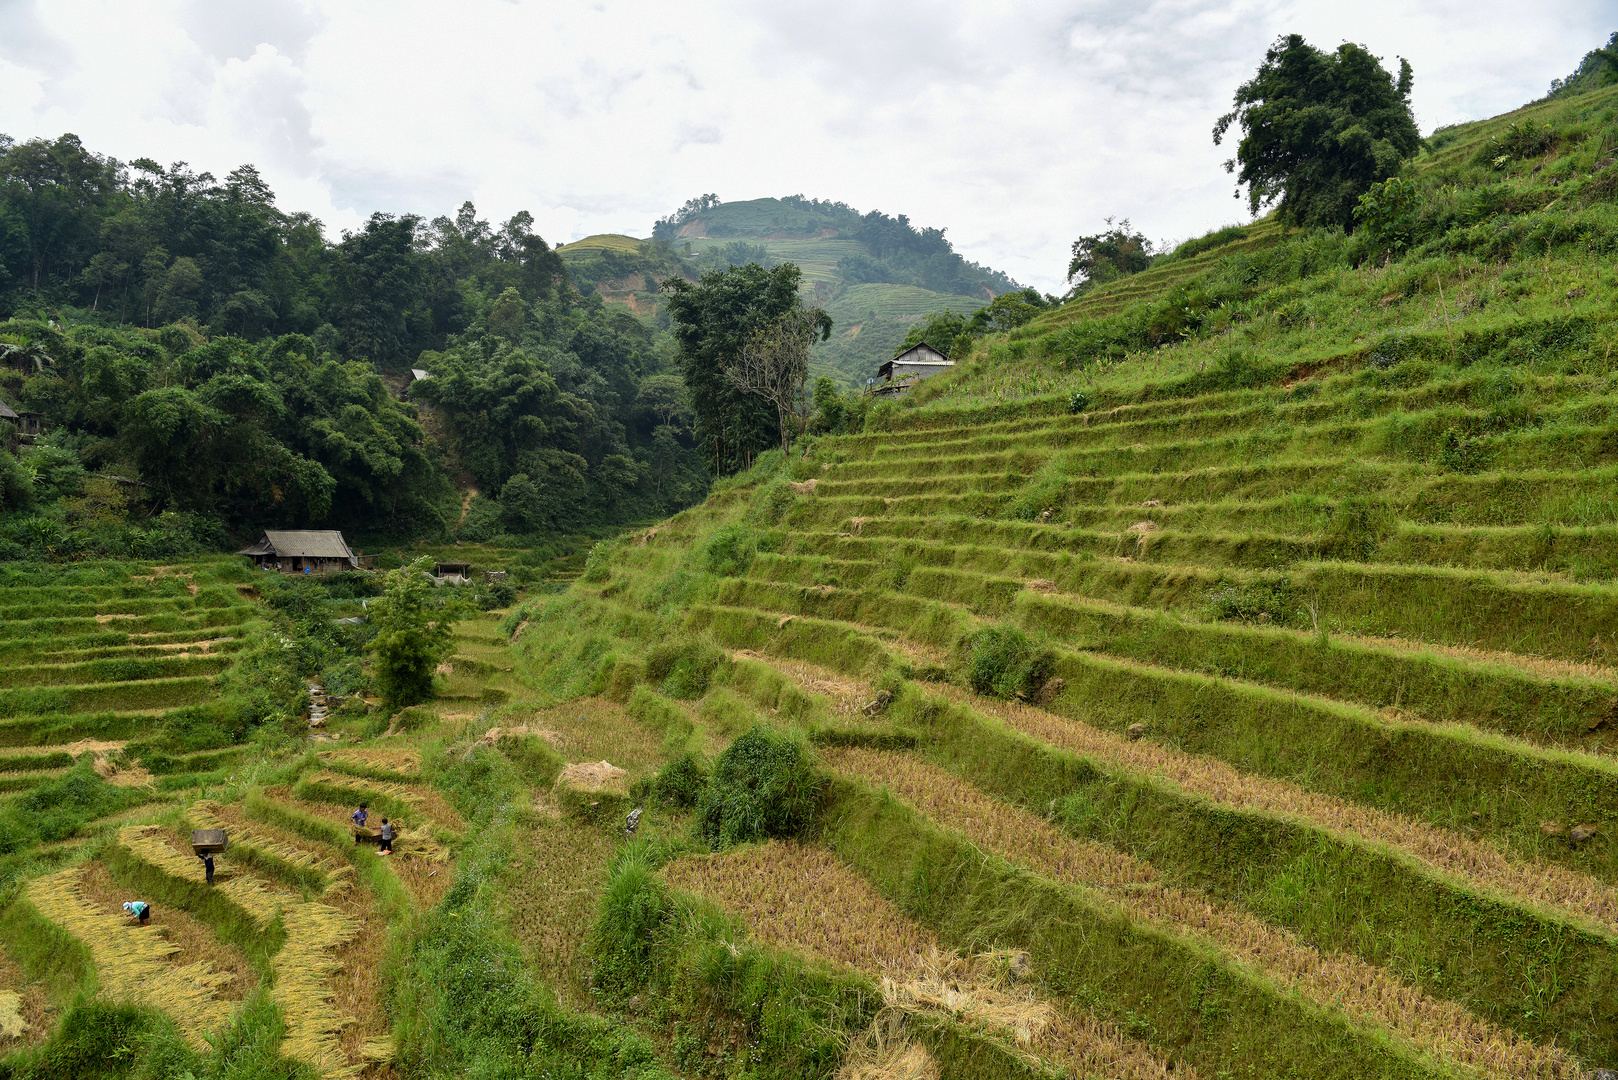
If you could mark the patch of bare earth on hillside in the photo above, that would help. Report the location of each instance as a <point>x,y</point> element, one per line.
<point>1474,863</point>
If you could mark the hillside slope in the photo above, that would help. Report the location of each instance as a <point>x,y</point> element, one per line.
<point>1233,649</point>
<point>877,276</point>
<point>1214,677</point>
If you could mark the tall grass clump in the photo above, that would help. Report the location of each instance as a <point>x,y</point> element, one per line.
<point>1002,661</point>
<point>764,785</point>
<point>730,551</point>
<point>683,670</point>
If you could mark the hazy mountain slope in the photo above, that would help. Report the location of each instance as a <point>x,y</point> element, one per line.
<point>876,275</point>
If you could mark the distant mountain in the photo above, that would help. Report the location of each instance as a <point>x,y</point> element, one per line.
<point>876,275</point>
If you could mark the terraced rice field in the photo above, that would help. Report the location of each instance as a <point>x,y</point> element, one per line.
<point>1313,745</point>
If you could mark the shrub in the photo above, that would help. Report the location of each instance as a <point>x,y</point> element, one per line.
<point>681,782</point>
<point>1358,525</point>
<point>770,502</point>
<point>1265,600</point>
<point>1003,662</point>
<point>413,636</point>
<point>683,670</point>
<point>598,564</point>
<point>498,595</point>
<point>764,785</point>
<point>730,550</point>
<point>1077,402</point>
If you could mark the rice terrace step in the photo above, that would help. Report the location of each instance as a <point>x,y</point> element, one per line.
<point>1211,672</point>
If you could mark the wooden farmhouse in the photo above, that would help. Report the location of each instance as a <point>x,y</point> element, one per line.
<point>19,426</point>
<point>302,551</point>
<point>910,367</point>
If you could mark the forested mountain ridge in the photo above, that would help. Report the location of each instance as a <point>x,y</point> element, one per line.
<point>235,370</point>
<point>875,274</point>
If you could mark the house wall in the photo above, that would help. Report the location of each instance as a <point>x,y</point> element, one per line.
<point>921,371</point>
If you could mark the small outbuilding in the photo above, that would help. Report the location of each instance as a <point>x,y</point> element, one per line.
<point>20,426</point>
<point>302,551</point>
<point>452,573</point>
<point>910,367</point>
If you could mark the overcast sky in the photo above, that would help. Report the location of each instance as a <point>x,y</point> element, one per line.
<point>1017,125</point>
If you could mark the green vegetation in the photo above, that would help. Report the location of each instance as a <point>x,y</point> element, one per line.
<point>1318,130</point>
<point>1213,673</point>
<point>206,366</point>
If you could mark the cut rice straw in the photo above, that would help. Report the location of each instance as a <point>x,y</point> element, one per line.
<point>803,899</point>
<point>208,815</point>
<point>132,962</point>
<point>305,963</point>
<point>1440,1029</point>
<point>156,845</point>
<point>1473,864</point>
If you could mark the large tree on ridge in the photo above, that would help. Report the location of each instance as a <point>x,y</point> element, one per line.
<point>1318,129</point>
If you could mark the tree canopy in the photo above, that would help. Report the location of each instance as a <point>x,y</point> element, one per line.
<point>1318,129</point>
<point>712,321</point>
<point>1114,253</point>
<point>208,366</point>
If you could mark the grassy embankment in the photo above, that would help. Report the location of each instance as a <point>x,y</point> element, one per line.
<point>1214,677</point>
<point>1235,644</point>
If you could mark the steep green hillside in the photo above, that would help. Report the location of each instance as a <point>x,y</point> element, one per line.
<point>1228,656</point>
<point>1213,677</point>
<point>876,275</point>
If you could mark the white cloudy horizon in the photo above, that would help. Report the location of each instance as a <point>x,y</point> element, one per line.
<point>1016,127</point>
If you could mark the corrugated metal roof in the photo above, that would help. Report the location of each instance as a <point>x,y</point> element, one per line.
<point>420,373</point>
<point>6,413</point>
<point>301,543</point>
<point>925,354</point>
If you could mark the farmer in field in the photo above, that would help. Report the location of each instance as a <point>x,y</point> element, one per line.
<point>386,842</point>
<point>359,817</point>
<point>138,909</point>
<point>207,864</point>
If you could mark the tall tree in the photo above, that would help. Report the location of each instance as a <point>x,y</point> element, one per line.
<point>712,322</point>
<point>1318,129</point>
<point>774,366</point>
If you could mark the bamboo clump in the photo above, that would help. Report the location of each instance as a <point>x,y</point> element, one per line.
<point>1334,980</point>
<point>132,962</point>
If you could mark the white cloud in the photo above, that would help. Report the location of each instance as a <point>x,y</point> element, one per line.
<point>1017,125</point>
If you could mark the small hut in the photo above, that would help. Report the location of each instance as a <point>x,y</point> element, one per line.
<point>452,573</point>
<point>909,367</point>
<point>302,551</point>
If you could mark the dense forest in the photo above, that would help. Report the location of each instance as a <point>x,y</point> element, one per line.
<point>206,365</point>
